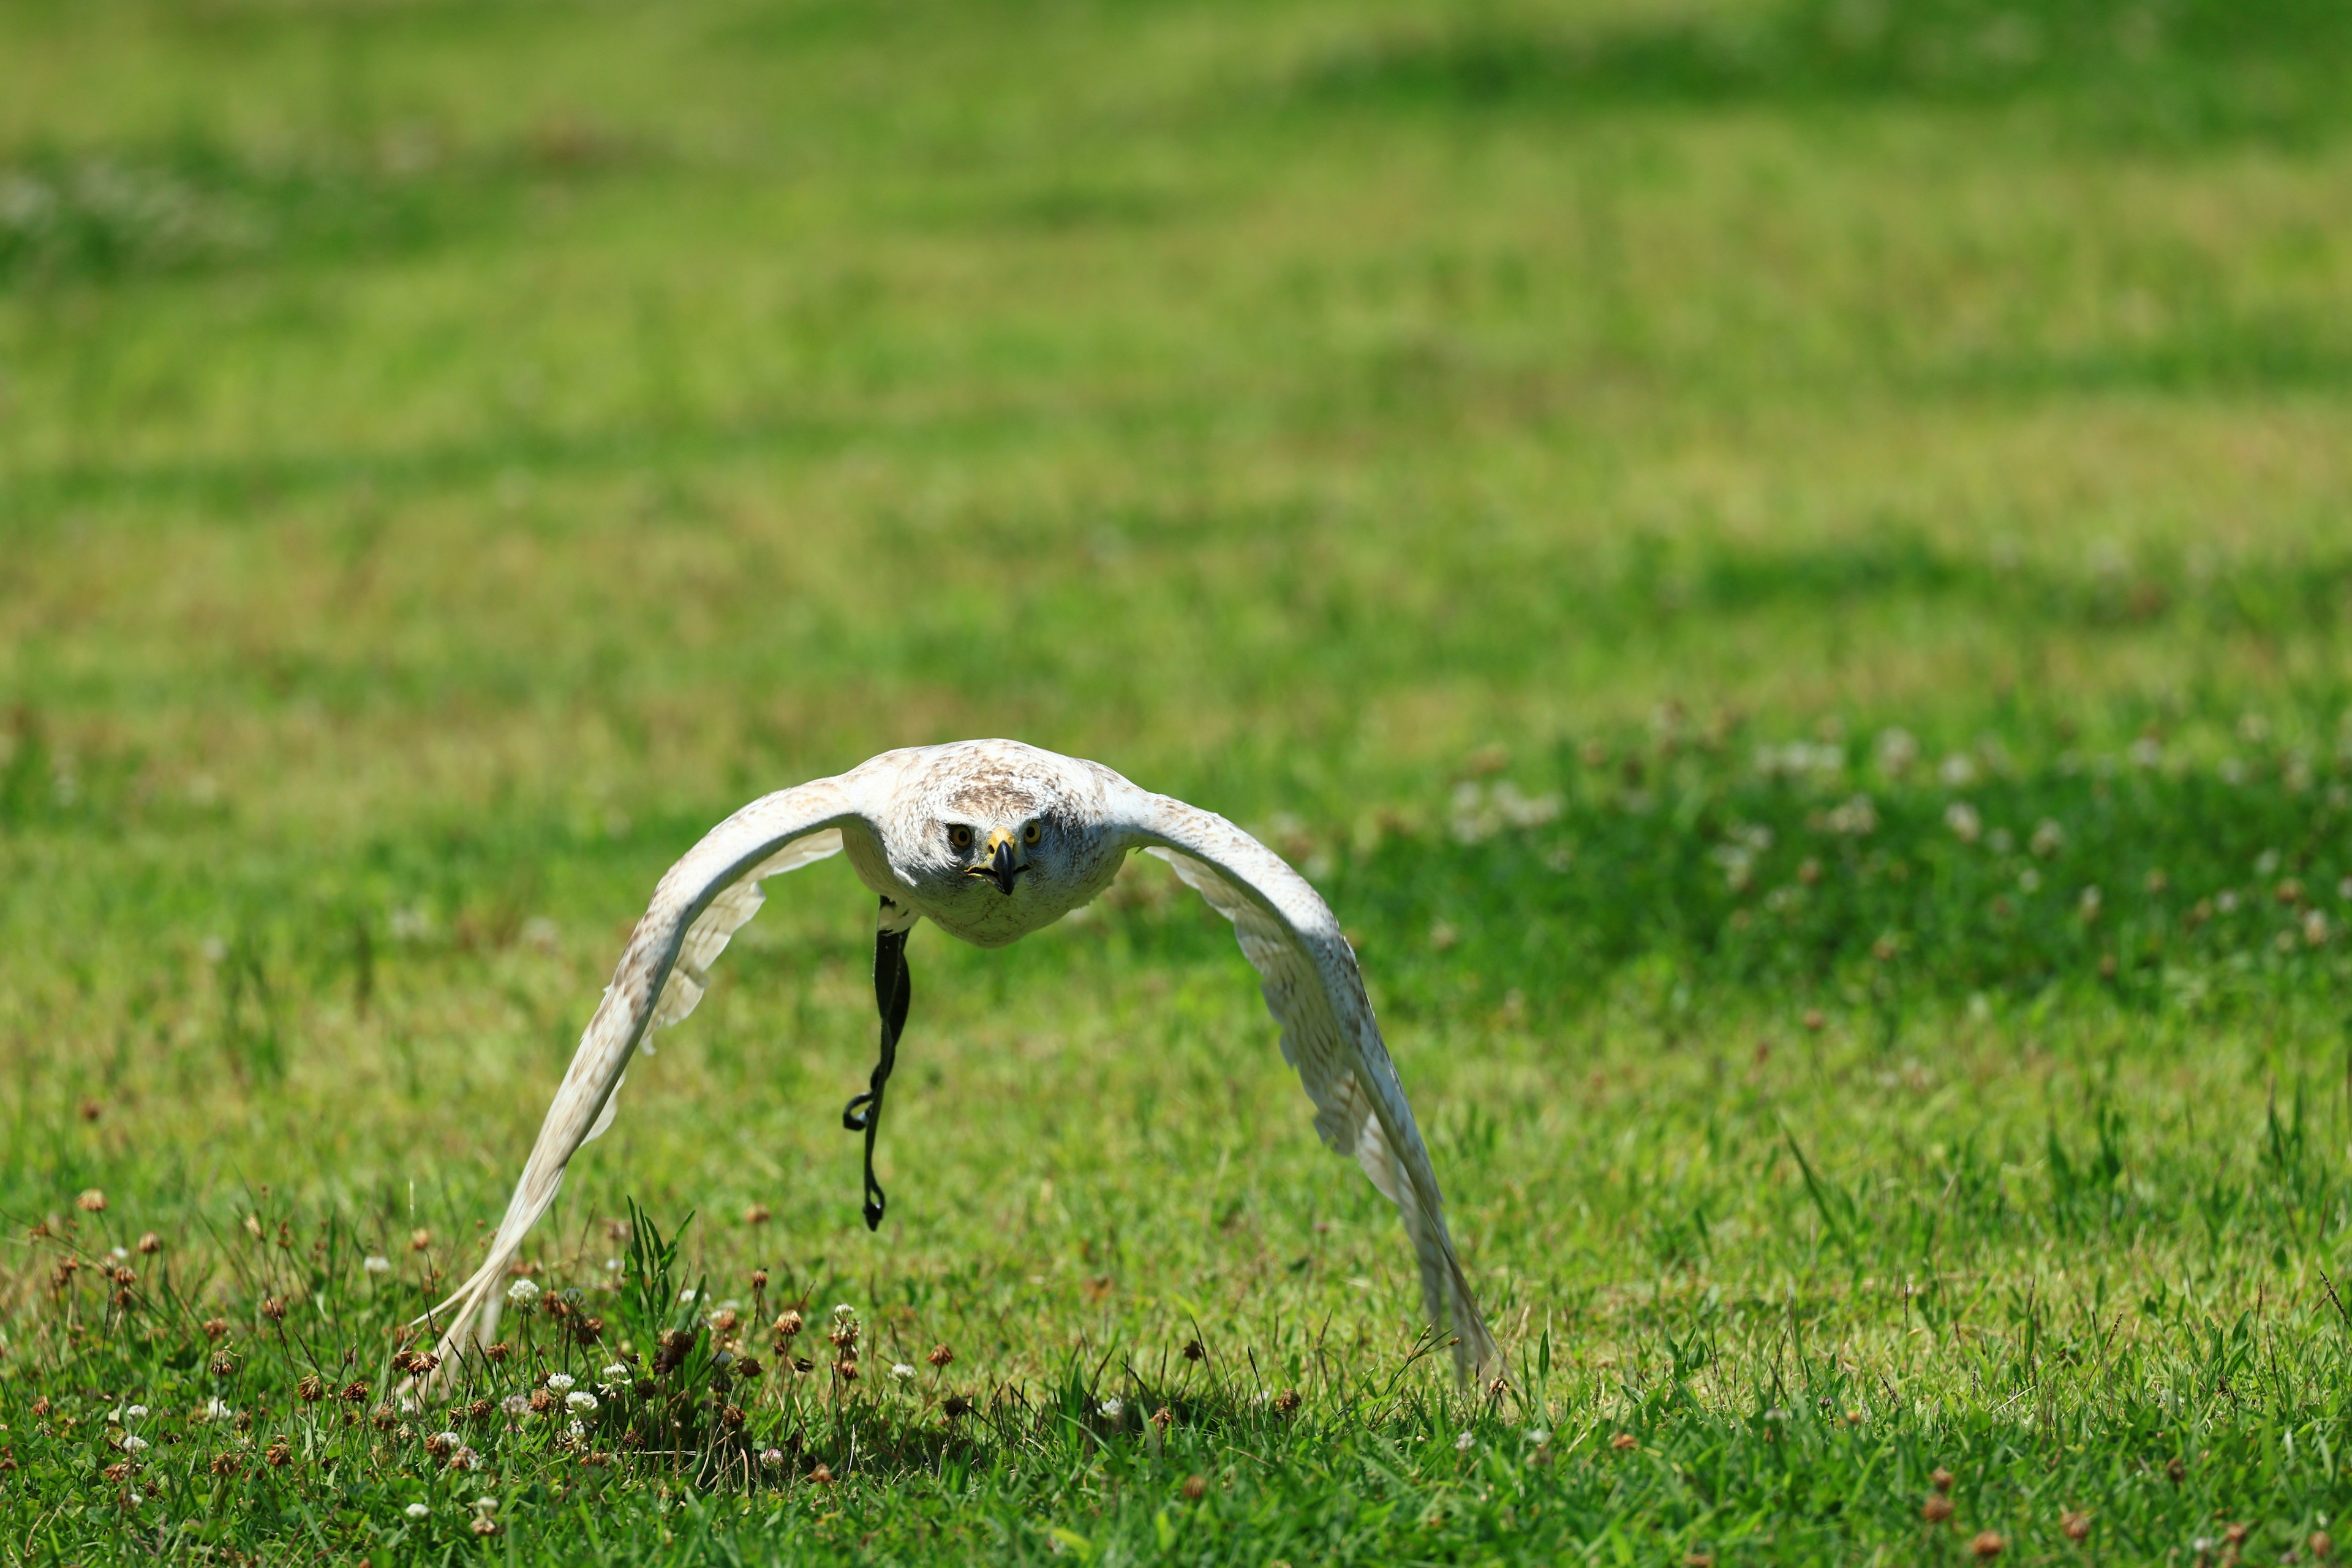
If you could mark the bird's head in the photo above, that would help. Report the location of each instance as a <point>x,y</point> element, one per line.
<point>994,840</point>
<point>997,852</point>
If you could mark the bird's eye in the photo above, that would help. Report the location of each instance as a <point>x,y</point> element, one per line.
<point>960,837</point>
<point>1032,833</point>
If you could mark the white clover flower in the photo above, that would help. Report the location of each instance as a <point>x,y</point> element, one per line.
<point>448,1439</point>
<point>1855,819</point>
<point>515,1404</point>
<point>1464,1442</point>
<point>844,1309</point>
<point>418,1511</point>
<point>215,1409</point>
<point>687,1294</point>
<point>2048,838</point>
<point>1112,1409</point>
<point>1471,824</point>
<point>771,1458</point>
<point>465,1458</point>
<point>1962,819</point>
<point>134,1445</point>
<point>581,1401</point>
<point>616,1372</point>
<point>376,1263</point>
<point>561,1382</point>
<point>1523,810</point>
<point>900,1369</point>
<point>576,1430</point>
<point>1798,759</point>
<point>522,1295</point>
<point>1538,1436</point>
<point>134,1412</point>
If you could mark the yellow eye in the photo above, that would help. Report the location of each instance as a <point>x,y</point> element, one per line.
<point>960,837</point>
<point>1032,834</point>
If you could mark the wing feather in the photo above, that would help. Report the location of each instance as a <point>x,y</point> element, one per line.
<point>698,905</point>
<point>1308,975</point>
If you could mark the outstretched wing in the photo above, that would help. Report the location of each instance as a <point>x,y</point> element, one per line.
<point>698,904</point>
<point>1315,993</point>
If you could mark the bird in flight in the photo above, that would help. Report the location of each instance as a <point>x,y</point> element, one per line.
<point>992,840</point>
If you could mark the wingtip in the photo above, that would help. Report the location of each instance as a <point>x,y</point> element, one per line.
<point>457,1325</point>
<point>1478,1359</point>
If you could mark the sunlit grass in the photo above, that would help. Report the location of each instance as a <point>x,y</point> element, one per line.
<point>1784,568</point>
<point>1852,1110</point>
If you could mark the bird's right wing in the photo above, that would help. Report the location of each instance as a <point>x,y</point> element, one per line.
<point>697,905</point>
<point>1309,976</point>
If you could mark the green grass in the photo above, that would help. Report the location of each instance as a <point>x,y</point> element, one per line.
<point>1528,461</point>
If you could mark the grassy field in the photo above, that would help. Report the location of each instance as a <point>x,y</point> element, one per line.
<point>1784,565</point>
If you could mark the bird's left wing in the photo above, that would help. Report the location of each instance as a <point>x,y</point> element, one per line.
<point>664,970</point>
<point>1308,974</point>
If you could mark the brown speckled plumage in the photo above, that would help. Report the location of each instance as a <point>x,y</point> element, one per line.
<point>897,816</point>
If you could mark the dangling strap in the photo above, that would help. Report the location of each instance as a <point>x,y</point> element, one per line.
<point>893,988</point>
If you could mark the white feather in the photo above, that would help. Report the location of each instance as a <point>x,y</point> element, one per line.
<point>698,905</point>
<point>1308,975</point>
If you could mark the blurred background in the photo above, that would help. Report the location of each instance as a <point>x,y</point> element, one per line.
<point>1784,565</point>
<point>410,407</point>
<point>452,451</point>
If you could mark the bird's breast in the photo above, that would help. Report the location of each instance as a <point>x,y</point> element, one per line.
<point>973,908</point>
<point>992,918</point>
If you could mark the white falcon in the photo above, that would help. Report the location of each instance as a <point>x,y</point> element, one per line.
<point>992,840</point>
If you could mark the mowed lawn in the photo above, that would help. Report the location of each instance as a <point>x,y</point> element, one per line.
<point>1784,565</point>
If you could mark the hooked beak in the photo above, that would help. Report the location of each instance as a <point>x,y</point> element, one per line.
<point>1000,866</point>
